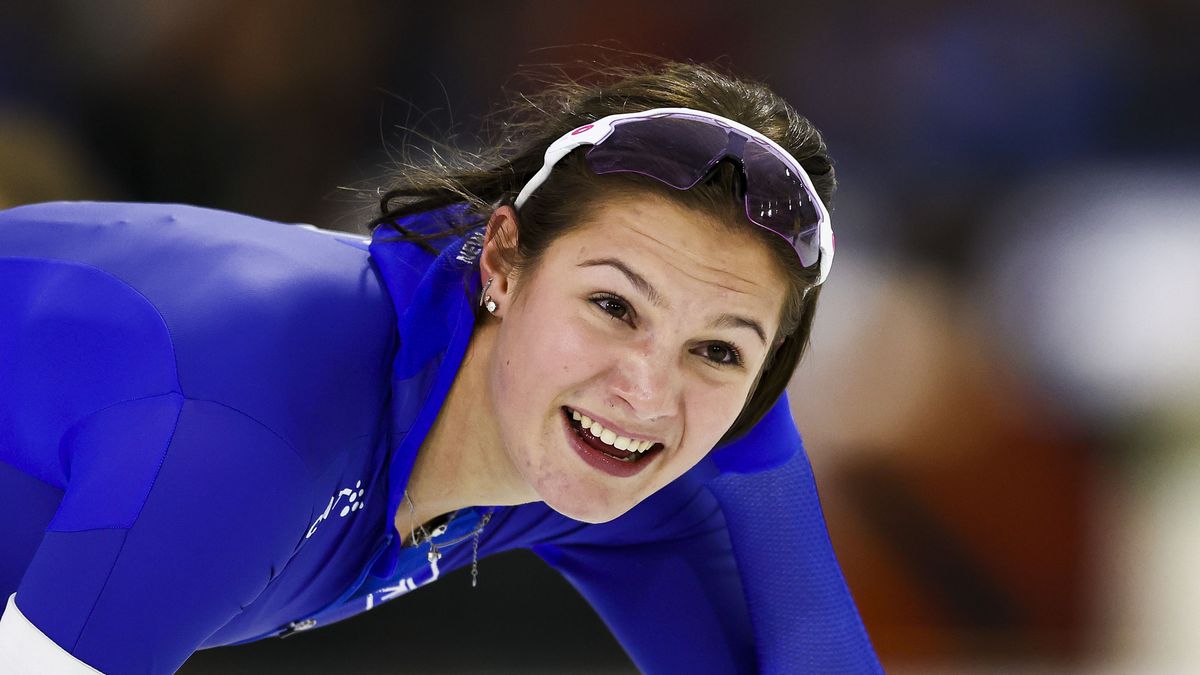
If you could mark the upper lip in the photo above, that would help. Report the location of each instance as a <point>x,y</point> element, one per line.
<point>620,431</point>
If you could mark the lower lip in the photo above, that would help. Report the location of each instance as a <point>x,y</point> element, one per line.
<point>599,460</point>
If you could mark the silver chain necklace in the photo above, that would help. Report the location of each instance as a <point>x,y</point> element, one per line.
<point>426,536</point>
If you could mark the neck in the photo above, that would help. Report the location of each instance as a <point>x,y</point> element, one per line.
<point>461,463</point>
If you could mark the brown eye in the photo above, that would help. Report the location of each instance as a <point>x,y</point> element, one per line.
<point>613,306</point>
<point>722,353</point>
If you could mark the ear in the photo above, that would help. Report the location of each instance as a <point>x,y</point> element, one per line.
<point>499,250</point>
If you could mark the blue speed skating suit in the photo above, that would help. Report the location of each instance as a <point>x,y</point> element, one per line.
<point>207,422</point>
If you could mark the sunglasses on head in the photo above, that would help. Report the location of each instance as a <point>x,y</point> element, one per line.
<point>679,146</point>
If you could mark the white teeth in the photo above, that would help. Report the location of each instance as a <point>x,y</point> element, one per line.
<point>610,437</point>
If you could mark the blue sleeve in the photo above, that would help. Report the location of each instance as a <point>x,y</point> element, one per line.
<point>729,574</point>
<point>174,511</point>
<point>176,514</point>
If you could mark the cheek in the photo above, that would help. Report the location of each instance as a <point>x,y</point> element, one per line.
<point>711,410</point>
<point>543,354</point>
<point>721,407</point>
<point>544,358</point>
<point>574,354</point>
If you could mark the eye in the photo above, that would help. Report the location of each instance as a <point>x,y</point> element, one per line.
<point>721,353</point>
<point>614,306</point>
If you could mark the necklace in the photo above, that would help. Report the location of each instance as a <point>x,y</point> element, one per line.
<point>439,529</point>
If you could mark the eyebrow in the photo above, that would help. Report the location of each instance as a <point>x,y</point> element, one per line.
<point>647,289</point>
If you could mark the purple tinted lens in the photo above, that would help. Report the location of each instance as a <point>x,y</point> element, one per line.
<point>674,150</point>
<point>777,199</point>
<point>679,151</point>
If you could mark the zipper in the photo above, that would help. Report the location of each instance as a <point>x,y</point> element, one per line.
<point>299,625</point>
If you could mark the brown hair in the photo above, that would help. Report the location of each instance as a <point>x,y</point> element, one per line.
<point>531,123</point>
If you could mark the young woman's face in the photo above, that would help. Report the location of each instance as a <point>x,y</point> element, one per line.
<point>649,319</point>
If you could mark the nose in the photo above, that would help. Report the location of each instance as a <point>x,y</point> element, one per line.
<point>645,382</point>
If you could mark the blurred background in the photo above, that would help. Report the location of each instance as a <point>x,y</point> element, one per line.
<point>1002,402</point>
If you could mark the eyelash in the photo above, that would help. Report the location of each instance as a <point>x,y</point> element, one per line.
<point>602,298</point>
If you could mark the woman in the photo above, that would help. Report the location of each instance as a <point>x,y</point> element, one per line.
<point>218,429</point>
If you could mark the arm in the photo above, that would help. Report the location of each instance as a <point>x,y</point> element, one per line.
<point>175,515</point>
<point>733,574</point>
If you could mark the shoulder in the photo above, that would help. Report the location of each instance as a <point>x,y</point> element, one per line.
<point>135,241</point>
<point>149,245</point>
<point>288,324</point>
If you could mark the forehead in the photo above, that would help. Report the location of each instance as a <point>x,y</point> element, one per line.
<point>679,247</point>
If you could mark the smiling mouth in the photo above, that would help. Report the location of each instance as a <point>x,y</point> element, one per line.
<point>608,442</point>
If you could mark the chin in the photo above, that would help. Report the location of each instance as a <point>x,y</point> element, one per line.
<point>587,511</point>
<point>586,516</point>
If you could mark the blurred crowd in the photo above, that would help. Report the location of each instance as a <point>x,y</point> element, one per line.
<point>1002,402</point>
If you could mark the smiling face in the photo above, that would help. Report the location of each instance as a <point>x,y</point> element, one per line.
<point>650,319</point>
